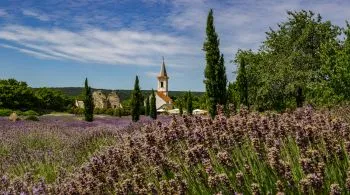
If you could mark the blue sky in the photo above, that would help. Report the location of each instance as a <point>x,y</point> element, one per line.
<point>58,43</point>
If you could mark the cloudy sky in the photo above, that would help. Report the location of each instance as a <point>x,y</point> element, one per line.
<point>60,42</point>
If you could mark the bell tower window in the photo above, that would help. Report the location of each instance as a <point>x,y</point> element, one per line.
<point>161,84</point>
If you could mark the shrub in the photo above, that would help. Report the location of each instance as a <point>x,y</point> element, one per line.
<point>5,112</point>
<point>97,111</point>
<point>19,113</point>
<point>32,118</point>
<point>30,113</point>
<point>110,111</point>
<point>79,111</point>
<point>118,112</point>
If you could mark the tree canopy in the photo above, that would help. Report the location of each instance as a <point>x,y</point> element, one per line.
<point>302,61</point>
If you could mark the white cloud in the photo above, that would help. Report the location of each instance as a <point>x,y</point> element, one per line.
<point>30,52</point>
<point>34,14</point>
<point>242,24</point>
<point>121,47</point>
<point>3,13</point>
<point>151,74</point>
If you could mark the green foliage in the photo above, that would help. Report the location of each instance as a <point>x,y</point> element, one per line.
<point>76,92</point>
<point>118,112</point>
<point>32,118</point>
<point>179,103</point>
<point>189,103</point>
<point>242,83</point>
<point>136,101</point>
<point>88,103</point>
<point>233,96</point>
<point>153,108</point>
<point>52,99</point>
<point>215,74</point>
<point>5,112</point>
<point>147,109</point>
<point>16,95</point>
<point>300,61</point>
<point>333,77</point>
<point>77,111</point>
<point>30,113</point>
<point>110,111</point>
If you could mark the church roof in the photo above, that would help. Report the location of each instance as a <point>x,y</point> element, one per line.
<point>163,72</point>
<point>166,98</point>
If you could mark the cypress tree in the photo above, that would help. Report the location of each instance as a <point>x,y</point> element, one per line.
<point>153,108</point>
<point>147,111</point>
<point>88,103</point>
<point>136,101</point>
<point>189,103</point>
<point>181,109</point>
<point>221,81</point>
<point>242,83</point>
<point>215,74</point>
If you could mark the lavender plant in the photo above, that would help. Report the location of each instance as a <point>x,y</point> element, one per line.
<point>301,152</point>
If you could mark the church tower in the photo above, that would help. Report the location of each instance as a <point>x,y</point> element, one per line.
<point>163,80</point>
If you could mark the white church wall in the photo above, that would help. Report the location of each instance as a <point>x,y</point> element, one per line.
<point>159,102</point>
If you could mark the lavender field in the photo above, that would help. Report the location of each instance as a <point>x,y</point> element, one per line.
<point>42,149</point>
<point>300,152</point>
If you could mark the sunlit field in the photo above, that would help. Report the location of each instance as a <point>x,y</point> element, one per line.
<point>179,97</point>
<point>305,151</point>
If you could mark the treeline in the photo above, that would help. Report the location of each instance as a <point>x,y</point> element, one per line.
<point>123,94</point>
<point>306,60</point>
<point>17,95</point>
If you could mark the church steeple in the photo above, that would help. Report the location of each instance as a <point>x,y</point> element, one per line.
<point>163,70</point>
<point>163,80</point>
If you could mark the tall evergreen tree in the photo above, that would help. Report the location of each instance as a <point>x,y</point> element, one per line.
<point>136,101</point>
<point>153,108</point>
<point>242,83</point>
<point>215,74</point>
<point>88,103</point>
<point>181,111</point>
<point>147,110</point>
<point>189,103</point>
<point>221,80</point>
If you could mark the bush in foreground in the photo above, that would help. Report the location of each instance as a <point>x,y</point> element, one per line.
<point>303,152</point>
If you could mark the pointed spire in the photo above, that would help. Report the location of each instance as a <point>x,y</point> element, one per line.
<point>163,72</point>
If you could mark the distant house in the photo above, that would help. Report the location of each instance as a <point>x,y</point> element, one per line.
<point>163,101</point>
<point>79,104</point>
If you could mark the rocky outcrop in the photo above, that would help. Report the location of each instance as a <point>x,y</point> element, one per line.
<point>102,101</point>
<point>113,100</point>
